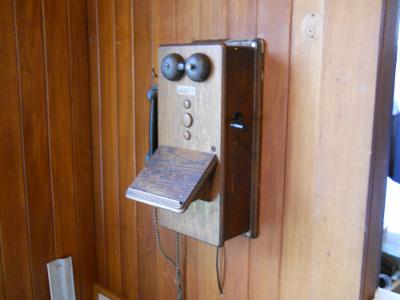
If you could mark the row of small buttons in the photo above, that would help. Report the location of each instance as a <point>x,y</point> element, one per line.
<point>187,119</point>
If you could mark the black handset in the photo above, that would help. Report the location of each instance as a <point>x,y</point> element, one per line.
<point>152,95</point>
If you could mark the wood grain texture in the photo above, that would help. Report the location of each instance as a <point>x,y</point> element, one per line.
<point>301,90</point>
<point>95,94</point>
<point>380,147</point>
<point>143,41</point>
<point>163,31</point>
<point>85,262</point>
<point>157,182</point>
<point>150,30</point>
<point>29,28</point>
<point>46,189</point>
<point>2,289</point>
<point>325,203</point>
<point>15,248</point>
<point>273,25</point>
<point>206,132</point>
<point>99,290</point>
<point>109,134</point>
<point>126,136</point>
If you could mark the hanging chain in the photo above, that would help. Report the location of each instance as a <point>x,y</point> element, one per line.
<point>176,263</point>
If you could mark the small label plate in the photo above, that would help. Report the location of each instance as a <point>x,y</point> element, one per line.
<point>186,90</point>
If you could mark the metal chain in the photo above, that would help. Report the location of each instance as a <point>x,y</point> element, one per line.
<point>176,264</point>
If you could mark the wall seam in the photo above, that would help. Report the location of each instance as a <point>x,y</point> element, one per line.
<point>73,147</point>
<point>22,143</point>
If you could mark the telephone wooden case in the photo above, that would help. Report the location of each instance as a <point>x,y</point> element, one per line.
<point>204,177</point>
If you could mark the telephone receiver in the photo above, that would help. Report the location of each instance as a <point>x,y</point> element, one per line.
<point>152,95</point>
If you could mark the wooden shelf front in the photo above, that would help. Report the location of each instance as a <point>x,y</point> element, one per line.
<point>172,178</point>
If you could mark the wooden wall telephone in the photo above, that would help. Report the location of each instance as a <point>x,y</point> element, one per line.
<point>204,175</point>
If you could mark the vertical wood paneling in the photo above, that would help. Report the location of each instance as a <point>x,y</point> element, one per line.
<point>109,133</point>
<point>15,247</point>
<point>290,211</point>
<point>95,93</point>
<point>60,123</point>
<point>81,130</point>
<point>187,30</point>
<point>381,140</point>
<point>241,23</point>
<point>241,19</point>
<point>2,289</point>
<point>325,203</point>
<point>46,194</point>
<point>305,59</point>
<point>29,28</point>
<point>126,136</point>
<point>164,31</point>
<point>146,251</point>
<point>273,25</point>
<point>200,271</point>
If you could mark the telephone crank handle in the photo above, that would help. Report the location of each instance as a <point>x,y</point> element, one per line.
<point>152,95</point>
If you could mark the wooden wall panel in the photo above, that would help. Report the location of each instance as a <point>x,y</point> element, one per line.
<point>329,147</point>
<point>273,25</point>
<point>112,72</point>
<point>306,117</point>
<point>143,57</point>
<point>380,147</point>
<point>156,22</point>
<point>47,195</point>
<point>126,135</point>
<point>15,246</point>
<point>164,31</point>
<point>82,143</point>
<point>29,28</point>
<point>109,134</point>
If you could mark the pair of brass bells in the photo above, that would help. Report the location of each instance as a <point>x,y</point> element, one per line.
<point>197,67</point>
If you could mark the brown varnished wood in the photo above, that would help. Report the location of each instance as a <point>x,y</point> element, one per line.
<point>85,262</point>
<point>100,290</point>
<point>109,138</point>
<point>15,248</point>
<point>48,184</point>
<point>126,140</point>
<point>238,158</point>
<point>241,19</point>
<point>29,28</point>
<point>273,25</point>
<point>188,29</point>
<point>95,94</point>
<point>143,39</point>
<point>253,269</point>
<point>206,132</point>
<point>200,271</point>
<point>2,289</point>
<point>164,31</point>
<point>327,201</point>
<point>381,141</point>
<point>167,166</point>
<point>60,136</point>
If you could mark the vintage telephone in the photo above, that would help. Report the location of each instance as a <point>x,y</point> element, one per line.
<point>202,171</point>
